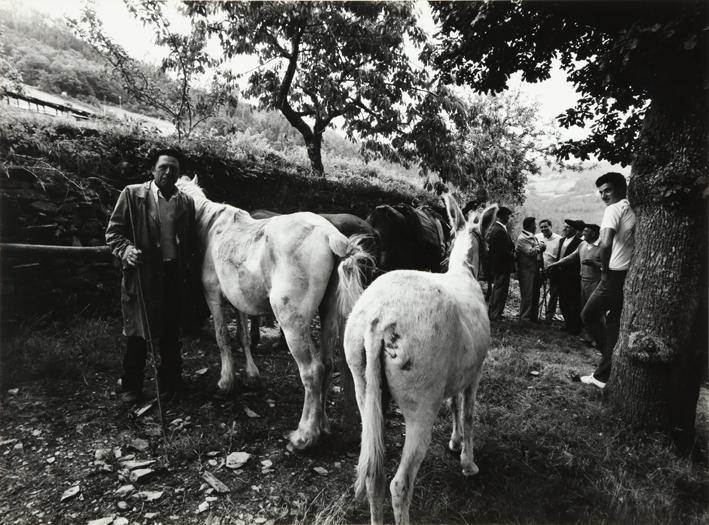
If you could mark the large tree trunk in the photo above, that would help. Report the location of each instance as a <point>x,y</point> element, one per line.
<point>659,360</point>
<point>313,142</point>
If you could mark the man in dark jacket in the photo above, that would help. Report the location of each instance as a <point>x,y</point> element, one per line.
<point>568,277</point>
<point>152,232</point>
<point>502,262</point>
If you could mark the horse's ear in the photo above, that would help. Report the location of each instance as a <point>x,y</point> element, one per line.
<point>455,216</point>
<point>487,218</point>
<point>195,180</point>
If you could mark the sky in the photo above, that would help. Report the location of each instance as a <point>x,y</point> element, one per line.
<point>553,96</point>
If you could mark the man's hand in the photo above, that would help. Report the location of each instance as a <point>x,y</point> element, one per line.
<point>542,246</point>
<point>133,256</point>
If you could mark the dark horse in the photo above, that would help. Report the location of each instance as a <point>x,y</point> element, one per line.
<point>411,238</point>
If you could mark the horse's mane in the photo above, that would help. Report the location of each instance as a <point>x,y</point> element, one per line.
<point>207,210</point>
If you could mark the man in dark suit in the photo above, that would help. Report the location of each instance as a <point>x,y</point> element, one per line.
<point>502,262</point>
<point>568,277</point>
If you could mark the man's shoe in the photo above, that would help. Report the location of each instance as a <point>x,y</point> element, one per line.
<point>130,397</point>
<point>590,380</point>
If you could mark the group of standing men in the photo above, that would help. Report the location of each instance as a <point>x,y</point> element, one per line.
<point>585,269</point>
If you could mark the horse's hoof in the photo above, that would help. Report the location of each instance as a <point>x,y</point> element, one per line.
<point>454,446</point>
<point>253,383</point>
<point>299,442</point>
<point>225,387</point>
<point>471,470</point>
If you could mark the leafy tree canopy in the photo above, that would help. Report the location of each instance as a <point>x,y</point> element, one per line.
<point>324,60</point>
<point>618,55</point>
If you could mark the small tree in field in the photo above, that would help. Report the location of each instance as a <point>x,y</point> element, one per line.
<point>640,69</point>
<point>187,58</point>
<point>324,60</point>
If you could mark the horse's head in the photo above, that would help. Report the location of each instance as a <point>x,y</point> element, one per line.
<point>469,246</point>
<point>190,186</point>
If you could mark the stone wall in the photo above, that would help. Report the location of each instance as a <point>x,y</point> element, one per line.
<point>58,200</point>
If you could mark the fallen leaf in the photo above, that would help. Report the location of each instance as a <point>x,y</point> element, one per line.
<point>258,521</point>
<point>7,442</point>
<point>237,459</point>
<point>70,492</point>
<point>141,474</point>
<point>124,490</point>
<point>102,453</point>
<point>150,495</point>
<point>212,453</point>
<point>18,447</point>
<point>321,471</point>
<point>102,521</point>
<point>201,371</point>
<point>142,410</point>
<point>122,505</point>
<point>202,507</point>
<point>267,463</point>
<point>120,520</point>
<point>534,373</point>
<point>13,391</point>
<point>141,445</point>
<point>250,413</point>
<point>117,452</point>
<point>51,460</point>
<point>139,463</point>
<point>150,515</point>
<point>215,483</point>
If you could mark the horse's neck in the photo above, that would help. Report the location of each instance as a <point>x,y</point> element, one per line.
<point>464,257</point>
<point>207,212</point>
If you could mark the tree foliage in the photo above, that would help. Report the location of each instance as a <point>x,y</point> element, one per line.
<point>186,58</point>
<point>323,60</point>
<point>618,55</point>
<point>503,144</point>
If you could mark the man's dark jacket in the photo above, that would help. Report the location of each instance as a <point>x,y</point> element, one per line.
<point>137,202</point>
<point>501,251</point>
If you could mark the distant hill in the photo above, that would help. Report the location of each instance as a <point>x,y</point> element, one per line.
<point>559,195</point>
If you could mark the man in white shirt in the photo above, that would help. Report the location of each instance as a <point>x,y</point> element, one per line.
<point>551,241</point>
<point>617,247</point>
<point>529,262</point>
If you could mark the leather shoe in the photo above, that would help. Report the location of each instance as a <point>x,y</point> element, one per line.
<point>590,380</point>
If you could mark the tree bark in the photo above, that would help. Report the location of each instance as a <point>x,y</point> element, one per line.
<point>659,358</point>
<point>313,142</point>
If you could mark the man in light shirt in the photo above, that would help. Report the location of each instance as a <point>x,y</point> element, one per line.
<point>617,247</point>
<point>551,241</point>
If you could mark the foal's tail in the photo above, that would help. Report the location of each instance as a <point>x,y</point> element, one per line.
<point>372,451</point>
<point>354,260</point>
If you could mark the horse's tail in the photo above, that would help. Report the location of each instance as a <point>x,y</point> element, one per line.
<point>354,260</point>
<point>372,450</point>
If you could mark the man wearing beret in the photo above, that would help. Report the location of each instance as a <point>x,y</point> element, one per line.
<point>587,257</point>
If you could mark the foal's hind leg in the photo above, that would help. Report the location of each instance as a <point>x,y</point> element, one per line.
<point>418,436</point>
<point>252,373</point>
<point>455,405</point>
<point>467,460</point>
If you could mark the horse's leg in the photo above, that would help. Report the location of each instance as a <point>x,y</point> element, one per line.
<point>311,368</point>
<point>328,340</point>
<point>252,373</point>
<point>467,460</point>
<point>255,332</point>
<point>455,404</point>
<point>376,492</point>
<point>218,306</point>
<point>419,424</point>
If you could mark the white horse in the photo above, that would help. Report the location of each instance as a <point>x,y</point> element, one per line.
<point>293,266</point>
<point>423,336</point>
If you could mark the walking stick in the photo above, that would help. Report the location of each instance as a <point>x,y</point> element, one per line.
<point>146,328</point>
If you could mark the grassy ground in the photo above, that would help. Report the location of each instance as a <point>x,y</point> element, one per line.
<point>547,451</point>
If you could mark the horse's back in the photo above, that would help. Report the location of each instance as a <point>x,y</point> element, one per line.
<point>430,335</point>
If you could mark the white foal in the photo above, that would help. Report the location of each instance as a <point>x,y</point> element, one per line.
<point>423,336</point>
